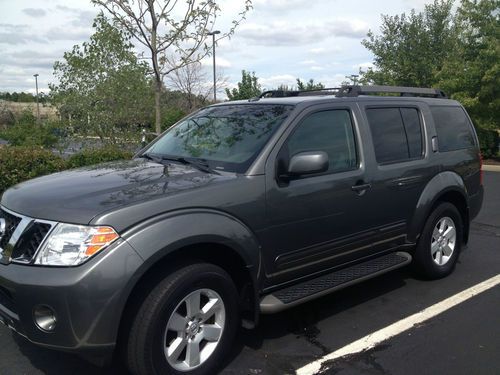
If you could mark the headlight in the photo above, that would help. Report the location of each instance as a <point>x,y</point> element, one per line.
<point>70,245</point>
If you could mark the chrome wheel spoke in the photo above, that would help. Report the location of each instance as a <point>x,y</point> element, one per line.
<point>450,233</point>
<point>193,304</point>
<point>436,233</point>
<point>211,332</point>
<point>434,247</point>
<point>210,309</point>
<point>176,347</point>
<point>193,353</point>
<point>447,250</point>
<point>177,322</point>
<point>439,257</point>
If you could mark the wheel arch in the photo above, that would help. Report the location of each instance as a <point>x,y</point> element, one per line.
<point>201,236</point>
<point>444,187</point>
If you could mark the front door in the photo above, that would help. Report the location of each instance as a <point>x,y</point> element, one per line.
<point>317,221</point>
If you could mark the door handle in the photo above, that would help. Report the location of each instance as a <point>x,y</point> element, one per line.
<point>361,188</point>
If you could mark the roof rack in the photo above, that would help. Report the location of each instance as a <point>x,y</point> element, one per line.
<point>289,93</point>
<point>353,91</point>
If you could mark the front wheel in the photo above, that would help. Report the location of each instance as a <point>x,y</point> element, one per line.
<point>186,324</point>
<point>440,242</point>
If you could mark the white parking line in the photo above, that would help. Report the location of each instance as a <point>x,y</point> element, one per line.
<point>375,338</point>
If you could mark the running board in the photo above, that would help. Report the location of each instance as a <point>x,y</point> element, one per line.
<point>294,295</point>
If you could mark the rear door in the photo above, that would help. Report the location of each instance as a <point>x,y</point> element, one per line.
<point>399,165</point>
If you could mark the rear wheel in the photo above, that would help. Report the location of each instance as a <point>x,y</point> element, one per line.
<point>440,242</point>
<point>186,324</point>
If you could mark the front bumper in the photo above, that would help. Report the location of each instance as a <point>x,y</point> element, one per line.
<point>88,300</point>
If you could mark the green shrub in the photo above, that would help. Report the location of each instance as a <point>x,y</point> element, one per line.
<point>19,164</point>
<point>29,134</point>
<point>96,156</point>
<point>488,141</point>
<point>171,116</point>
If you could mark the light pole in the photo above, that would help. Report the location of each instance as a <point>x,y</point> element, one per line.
<point>213,34</point>
<point>37,105</point>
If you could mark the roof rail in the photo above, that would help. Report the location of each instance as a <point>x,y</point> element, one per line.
<point>289,93</point>
<point>353,91</point>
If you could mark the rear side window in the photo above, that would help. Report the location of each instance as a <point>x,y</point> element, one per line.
<point>453,128</point>
<point>396,133</point>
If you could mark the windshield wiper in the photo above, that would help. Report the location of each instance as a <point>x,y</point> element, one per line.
<point>152,157</point>
<point>200,164</point>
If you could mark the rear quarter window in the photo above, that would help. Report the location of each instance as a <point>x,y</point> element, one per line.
<point>454,130</point>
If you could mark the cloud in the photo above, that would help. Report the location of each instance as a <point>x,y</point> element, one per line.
<point>18,34</point>
<point>219,61</point>
<point>81,18</point>
<point>63,33</point>
<point>281,5</point>
<point>318,51</point>
<point>273,82</point>
<point>34,12</point>
<point>282,33</point>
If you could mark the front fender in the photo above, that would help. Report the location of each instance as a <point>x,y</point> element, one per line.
<point>159,236</point>
<point>435,188</point>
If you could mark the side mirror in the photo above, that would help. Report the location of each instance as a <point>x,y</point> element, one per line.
<point>308,163</point>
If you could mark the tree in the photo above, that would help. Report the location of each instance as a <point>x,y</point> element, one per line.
<point>412,48</point>
<point>102,85</point>
<point>472,73</point>
<point>165,27</point>
<point>458,52</point>
<point>248,88</point>
<point>193,81</point>
<point>309,85</point>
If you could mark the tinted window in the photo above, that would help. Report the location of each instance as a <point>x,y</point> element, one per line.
<point>453,128</point>
<point>396,133</point>
<point>413,129</point>
<point>328,131</point>
<point>227,137</point>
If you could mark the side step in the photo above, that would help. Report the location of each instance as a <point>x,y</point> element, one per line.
<point>308,290</point>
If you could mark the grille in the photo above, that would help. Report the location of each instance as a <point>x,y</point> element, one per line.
<point>33,233</point>
<point>11,223</point>
<point>30,240</point>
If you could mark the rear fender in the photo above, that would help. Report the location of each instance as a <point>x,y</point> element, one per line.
<point>439,185</point>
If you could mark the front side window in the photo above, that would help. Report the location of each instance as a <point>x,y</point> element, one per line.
<point>396,134</point>
<point>226,137</point>
<point>329,131</point>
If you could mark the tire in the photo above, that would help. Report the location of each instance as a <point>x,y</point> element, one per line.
<point>152,349</point>
<point>437,250</point>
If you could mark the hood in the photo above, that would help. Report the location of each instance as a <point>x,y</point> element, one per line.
<point>76,196</point>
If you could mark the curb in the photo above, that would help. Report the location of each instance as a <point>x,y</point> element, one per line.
<point>491,168</point>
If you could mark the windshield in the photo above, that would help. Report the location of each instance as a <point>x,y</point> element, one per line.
<point>226,137</point>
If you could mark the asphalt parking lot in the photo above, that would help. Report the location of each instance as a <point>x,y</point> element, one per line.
<point>462,340</point>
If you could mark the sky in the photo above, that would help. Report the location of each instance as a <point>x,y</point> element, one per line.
<point>280,40</point>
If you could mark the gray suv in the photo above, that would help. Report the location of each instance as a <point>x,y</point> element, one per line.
<point>241,209</point>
